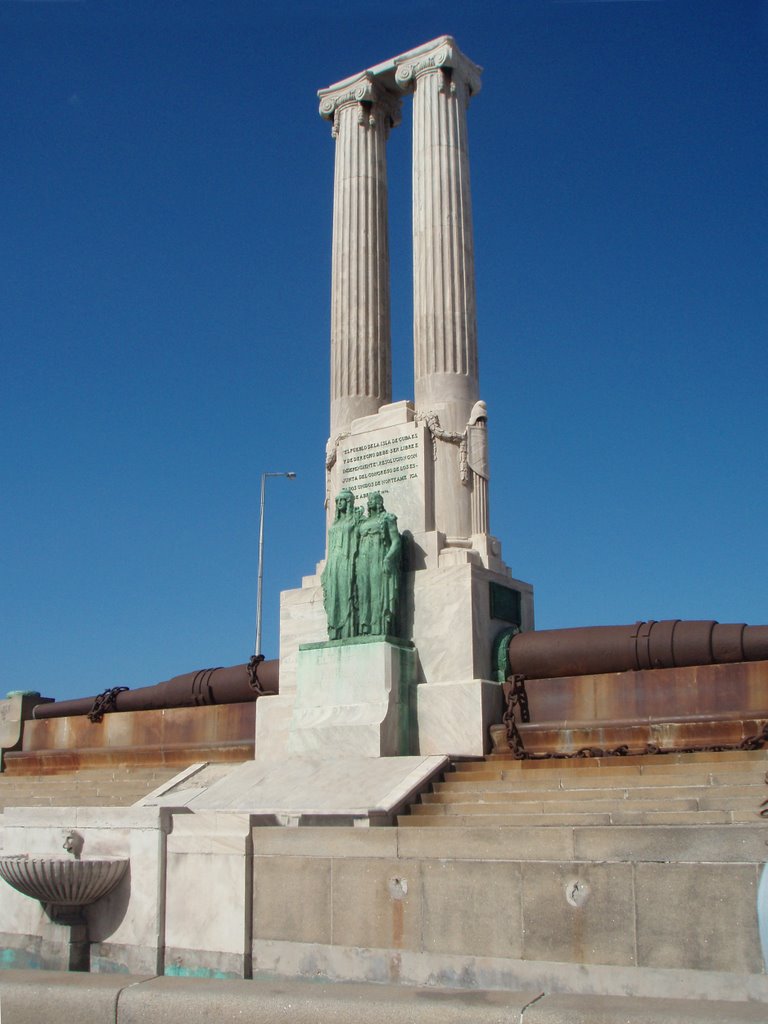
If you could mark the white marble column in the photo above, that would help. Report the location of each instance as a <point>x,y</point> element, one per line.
<point>362,112</point>
<point>444,316</point>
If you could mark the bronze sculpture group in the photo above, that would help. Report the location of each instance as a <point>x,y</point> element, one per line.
<point>361,579</point>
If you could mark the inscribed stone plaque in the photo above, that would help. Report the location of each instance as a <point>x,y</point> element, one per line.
<point>390,460</point>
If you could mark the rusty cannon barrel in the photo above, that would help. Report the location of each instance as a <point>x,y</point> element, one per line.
<point>672,643</point>
<point>232,685</point>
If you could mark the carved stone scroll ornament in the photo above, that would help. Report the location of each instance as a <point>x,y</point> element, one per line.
<point>372,98</point>
<point>445,57</point>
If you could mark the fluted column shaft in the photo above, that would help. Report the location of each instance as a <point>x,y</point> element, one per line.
<point>361,374</point>
<point>444,310</point>
<point>444,315</point>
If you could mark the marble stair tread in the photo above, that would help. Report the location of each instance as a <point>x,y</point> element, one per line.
<point>555,806</point>
<point>585,780</point>
<point>575,818</point>
<point>495,791</point>
<point>92,787</point>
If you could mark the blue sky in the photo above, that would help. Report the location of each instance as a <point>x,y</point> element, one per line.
<point>164,311</point>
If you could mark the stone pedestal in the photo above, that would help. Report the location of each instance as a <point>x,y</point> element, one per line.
<point>209,934</point>
<point>14,711</point>
<point>352,698</point>
<point>451,612</point>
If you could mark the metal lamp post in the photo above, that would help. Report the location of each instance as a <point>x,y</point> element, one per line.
<point>291,476</point>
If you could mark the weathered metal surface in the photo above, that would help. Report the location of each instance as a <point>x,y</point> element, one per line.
<point>584,739</point>
<point>695,707</point>
<point>164,727</point>
<point>233,685</point>
<point>176,756</point>
<point>667,693</point>
<point>542,654</point>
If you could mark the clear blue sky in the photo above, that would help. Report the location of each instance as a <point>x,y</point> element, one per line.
<point>165,212</point>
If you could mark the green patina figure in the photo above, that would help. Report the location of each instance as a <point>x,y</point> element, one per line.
<point>338,577</point>
<point>361,579</point>
<point>377,575</point>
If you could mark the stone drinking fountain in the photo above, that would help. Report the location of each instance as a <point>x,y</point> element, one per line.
<point>65,886</point>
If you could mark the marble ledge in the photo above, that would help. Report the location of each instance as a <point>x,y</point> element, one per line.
<point>135,817</point>
<point>393,415</point>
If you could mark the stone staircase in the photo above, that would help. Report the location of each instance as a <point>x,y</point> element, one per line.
<point>88,787</point>
<point>704,788</point>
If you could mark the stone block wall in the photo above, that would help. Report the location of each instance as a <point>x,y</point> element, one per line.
<point>416,905</point>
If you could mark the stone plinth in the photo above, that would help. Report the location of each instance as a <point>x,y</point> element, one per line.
<point>447,613</point>
<point>14,711</point>
<point>352,698</point>
<point>212,930</point>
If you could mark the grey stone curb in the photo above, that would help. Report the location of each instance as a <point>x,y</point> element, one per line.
<point>45,997</point>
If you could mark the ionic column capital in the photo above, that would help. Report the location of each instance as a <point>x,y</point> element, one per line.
<point>445,56</point>
<point>368,95</point>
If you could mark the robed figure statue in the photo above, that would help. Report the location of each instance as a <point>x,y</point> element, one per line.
<point>361,578</point>
<point>338,577</point>
<point>377,576</point>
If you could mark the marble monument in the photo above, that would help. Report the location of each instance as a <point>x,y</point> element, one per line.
<point>426,458</point>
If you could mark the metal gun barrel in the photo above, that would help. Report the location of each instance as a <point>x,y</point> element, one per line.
<point>671,643</point>
<point>206,686</point>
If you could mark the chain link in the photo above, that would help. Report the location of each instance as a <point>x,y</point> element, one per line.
<point>253,674</point>
<point>106,701</point>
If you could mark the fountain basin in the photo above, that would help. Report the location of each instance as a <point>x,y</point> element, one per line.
<point>62,882</point>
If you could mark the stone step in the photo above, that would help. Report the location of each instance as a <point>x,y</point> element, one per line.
<point>92,787</point>
<point>554,806</point>
<point>576,818</point>
<point>53,781</point>
<point>87,785</point>
<point>521,806</point>
<point>705,796</point>
<point>582,781</point>
<point>651,766</point>
<point>676,842</point>
<point>508,789</point>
